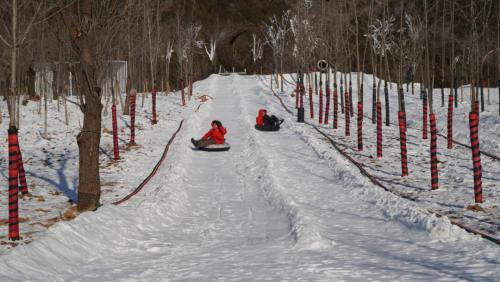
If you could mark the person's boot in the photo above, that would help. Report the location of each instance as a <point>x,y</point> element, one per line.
<point>280,121</point>
<point>194,142</point>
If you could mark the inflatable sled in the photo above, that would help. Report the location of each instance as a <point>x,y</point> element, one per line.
<point>216,147</point>
<point>266,127</point>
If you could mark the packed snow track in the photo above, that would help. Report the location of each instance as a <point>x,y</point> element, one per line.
<point>273,208</point>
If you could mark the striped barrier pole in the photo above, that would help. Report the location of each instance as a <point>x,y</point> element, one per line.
<point>498,83</point>
<point>386,91</point>
<point>311,105</point>
<point>434,168</point>
<point>360,126</point>
<point>133,98</point>
<point>182,93</point>
<point>13,185</point>
<point>374,104</point>
<point>402,140</point>
<point>424,132</point>
<point>154,105</point>
<point>476,156</point>
<point>335,106</point>
<point>115,133</point>
<point>320,102</point>
<point>302,89</point>
<point>23,186</point>
<point>455,84</point>
<point>347,116</point>
<point>327,109</point>
<point>379,130</point>
<point>450,122</point>
<point>403,108</point>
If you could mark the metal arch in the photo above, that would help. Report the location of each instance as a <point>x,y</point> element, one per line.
<point>224,49</point>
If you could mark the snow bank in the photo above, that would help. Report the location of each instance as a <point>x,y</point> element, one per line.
<point>393,206</point>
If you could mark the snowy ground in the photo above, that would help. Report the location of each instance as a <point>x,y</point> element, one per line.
<point>277,206</point>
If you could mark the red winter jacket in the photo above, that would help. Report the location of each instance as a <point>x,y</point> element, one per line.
<point>216,134</point>
<point>260,118</point>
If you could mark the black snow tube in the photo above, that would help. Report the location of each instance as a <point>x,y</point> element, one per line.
<point>216,147</point>
<point>266,127</point>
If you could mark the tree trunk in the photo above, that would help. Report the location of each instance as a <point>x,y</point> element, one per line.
<point>55,93</point>
<point>89,186</point>
<point>126,110</point>
<point>31,83</point>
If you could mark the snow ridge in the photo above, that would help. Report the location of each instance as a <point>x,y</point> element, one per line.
<point>301,226</point>
<point>393,206</point>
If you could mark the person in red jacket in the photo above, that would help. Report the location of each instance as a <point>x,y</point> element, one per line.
<point>264,119</point>
<point>214,136</point>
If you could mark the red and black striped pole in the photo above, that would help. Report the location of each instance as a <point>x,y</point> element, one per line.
<point>182,93</point>
<point>379,130</point>
<point>450,122</point>
<point>154,105</point>
<point>23,186</point>
<point>115,133</point>
<point>476,156</point>
<point>13,185</point>
<point>424,133</point>
<point>132,117</point>
<point>434,167</point>
<point>402,141</point>
<point>302,92</point>
<point>327,109</point>
<point>311,105</point>
<point>360,126</point>
<point>335,106</point>
<point>320,101</point>
<point>347,116</point>
<point>403,108</point>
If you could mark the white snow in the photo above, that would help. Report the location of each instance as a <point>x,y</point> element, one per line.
<point>277,206</point>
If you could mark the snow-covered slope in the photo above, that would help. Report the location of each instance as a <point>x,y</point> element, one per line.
<point>278,206</point>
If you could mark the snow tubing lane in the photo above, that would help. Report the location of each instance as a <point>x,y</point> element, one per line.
<point>264,127</point>
<point>216,148</point>
<point>376,182</point>
<point>139,188</point>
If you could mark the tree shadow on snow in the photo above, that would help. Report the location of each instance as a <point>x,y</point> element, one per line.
<point>62,185</point>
